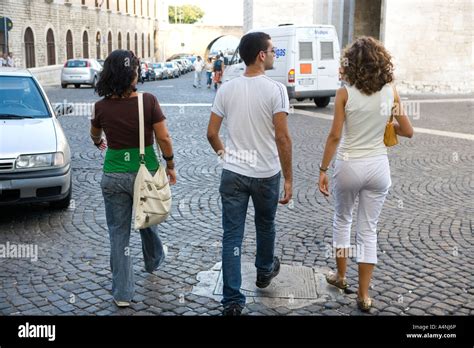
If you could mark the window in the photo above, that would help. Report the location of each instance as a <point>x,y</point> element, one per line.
<point>50,48</point>
<point>306,51</point>
<point>109,43</point>
<point>327,52</point>
<point>85,45</point>
<point>69,46</point>
<point>126,6</point>
<point>119,41</point>
<point>97,45</point>
<point>29,48</point>
<point>108,5</point>
<point>134,7</point>
<point>143,45</point>
<point>24,97</point>
<point>154,7</point>
<point>128,41</point>
<point>155,45</point>
<point>83,2</point>
<point>141,7</point>
<point>118,5</point>
<point>96,3</point>
<point>149,46</point>
<point>148,8</point>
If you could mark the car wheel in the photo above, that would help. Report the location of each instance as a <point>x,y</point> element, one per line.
<point>322,101</point>
<point>63,85</point>
<point>77,85</point>
<point>63,203</point>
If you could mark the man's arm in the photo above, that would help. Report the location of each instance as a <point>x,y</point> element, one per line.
<point>213,128</point>
<point>284,146</point>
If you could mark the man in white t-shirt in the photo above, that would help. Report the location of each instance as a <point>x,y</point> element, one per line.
<point>254,109</point>
<point>198,66</point>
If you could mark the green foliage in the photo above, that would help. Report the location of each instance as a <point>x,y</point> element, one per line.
<point>187,14</point>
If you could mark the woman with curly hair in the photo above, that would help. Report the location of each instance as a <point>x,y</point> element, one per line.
<point>361,170</point>
<point>117,115</point>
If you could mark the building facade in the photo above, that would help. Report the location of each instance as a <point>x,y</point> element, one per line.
<point>431,41</point>
<point>48,32</point>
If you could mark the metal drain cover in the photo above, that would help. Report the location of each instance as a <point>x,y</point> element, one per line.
<point>293,282</point>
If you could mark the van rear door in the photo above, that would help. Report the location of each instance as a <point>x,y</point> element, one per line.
<point>328,59</point>
<point>306,69</point>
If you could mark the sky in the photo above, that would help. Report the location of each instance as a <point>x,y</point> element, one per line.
<point>217,12</point>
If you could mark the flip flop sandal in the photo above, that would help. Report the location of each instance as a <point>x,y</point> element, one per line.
<point>364,304</point>
<point>332,279</point>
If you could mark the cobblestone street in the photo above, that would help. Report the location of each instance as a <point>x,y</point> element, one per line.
<point>425,231</point>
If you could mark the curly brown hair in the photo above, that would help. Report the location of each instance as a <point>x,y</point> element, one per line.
<point>366,64</point>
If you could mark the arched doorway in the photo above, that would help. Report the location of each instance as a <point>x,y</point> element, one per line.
<point>143,45</point>
<point>85,45</point>
<point>109,43</point>
<point>119,41</point>
<point>97,45</point>
<point>136,44</point>
<point>128,41</point>
<point>69,46</point>
<point>225,44</point>
<point>50,48</point>
<point>29,48</point>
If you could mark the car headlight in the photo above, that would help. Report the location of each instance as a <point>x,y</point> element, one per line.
<point>55,159</point>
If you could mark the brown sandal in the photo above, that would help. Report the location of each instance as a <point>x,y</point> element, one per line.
<point>332,279</point>
<point>364,304</point>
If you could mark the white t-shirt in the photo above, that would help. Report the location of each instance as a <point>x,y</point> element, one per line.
<point>198,65</point>
<point>247,105</point>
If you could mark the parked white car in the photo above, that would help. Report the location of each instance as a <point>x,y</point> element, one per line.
<point>35,159</point>
<point>79,72</point>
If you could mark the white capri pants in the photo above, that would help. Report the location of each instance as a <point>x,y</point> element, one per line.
<point>369,179</point>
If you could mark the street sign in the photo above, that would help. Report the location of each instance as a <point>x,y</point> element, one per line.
<point>5,23</point>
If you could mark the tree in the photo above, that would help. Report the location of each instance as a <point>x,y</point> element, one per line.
<point>187,14</point>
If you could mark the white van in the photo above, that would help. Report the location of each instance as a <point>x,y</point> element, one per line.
<point>306,61</point>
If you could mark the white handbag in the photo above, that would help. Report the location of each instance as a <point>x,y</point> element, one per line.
<point>151,194</point>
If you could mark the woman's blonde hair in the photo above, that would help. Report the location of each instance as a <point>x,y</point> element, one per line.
<point>366,64</point>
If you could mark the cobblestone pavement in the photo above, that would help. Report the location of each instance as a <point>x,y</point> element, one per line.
<point>425,229</point>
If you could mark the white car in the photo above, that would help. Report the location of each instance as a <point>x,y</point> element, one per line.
<point>35,159</point>
<point>79,72</point>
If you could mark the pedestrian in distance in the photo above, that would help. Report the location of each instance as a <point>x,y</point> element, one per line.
<point>198,66</point>
<point>117,115</point>
<point>254,109</point>
<point>208,67</point>
<point>218,71</point>
<point>361,170</point>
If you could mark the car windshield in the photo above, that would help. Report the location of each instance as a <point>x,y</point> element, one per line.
<point>169,65</point>
<point>20,97</point>
<point>76,64</point>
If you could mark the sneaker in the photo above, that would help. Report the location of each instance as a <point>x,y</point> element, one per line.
<point>264,280</point>
<point>122,303</point>
<point>232,310</point>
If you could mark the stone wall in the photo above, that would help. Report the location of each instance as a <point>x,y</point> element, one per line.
<point>431,42</point>
<point>61,16</point>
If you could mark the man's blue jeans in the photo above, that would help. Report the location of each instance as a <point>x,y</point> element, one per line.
<point>235,190</point>
<point>117,189</point>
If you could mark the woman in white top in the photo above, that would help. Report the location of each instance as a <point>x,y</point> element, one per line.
<point>361,170</point>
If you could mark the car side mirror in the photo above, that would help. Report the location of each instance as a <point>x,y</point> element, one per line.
<point>61,109</point>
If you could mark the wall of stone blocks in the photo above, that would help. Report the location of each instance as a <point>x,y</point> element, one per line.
<point>431,42</point>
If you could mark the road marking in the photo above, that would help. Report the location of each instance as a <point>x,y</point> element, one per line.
<point>416,129</point>
<point>163,86</point>
<point>189,104</point>
<point>438,100</point>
